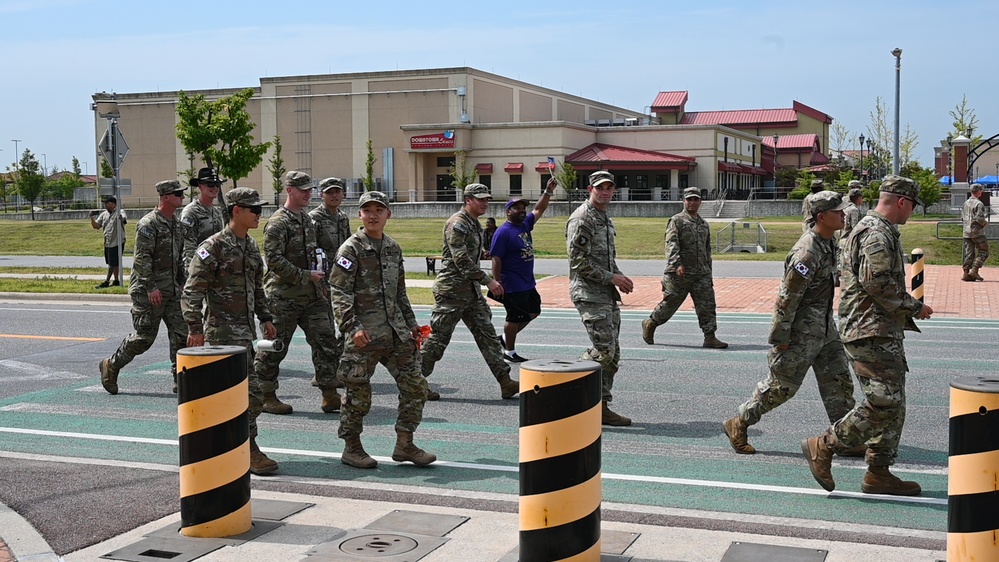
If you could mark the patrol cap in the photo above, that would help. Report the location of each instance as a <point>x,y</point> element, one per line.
<point>691,192</point>
<point>854,183</point>
<point>166,187</point>
<point>243,197</point>
<point>207,175</point>
<point>855,193</point>
<point>373,197</point>
<point>478,191</point>
<point>976,187</point>
<point>514,201</point>
<point>901,186</point>
<point>331,183</point>
<point>298,180</point>
<point>825,201</point>
<point>600,177</point>
<point>818,185</point>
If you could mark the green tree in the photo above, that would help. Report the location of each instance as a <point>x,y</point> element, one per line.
<point>7,186</point>
<point>843,181</point>
<point>275,165</point>
<point>369,168</point>
<point>879,132</point>
<point>786,176</point>
<point>929,186</point>
<point>77,171</point>
<point>64,187</point>
<point>567,177</point>
<point>106,170</point>
<point>30,181</point>
<point>965,120</point>
<point>460,173</point>
<point>871,192</point>
<point>803,185</point>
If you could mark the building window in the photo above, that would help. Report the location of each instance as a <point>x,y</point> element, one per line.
<point>445,161</point>
<point>486,180</point>
<point>641,192</point>
<point>516,184</point>
<point>662,180</point>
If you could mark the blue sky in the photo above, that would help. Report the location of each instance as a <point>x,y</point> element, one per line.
<point>834,57</point>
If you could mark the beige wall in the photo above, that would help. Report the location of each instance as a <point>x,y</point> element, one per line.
<point>534,107</point>
<point>493,103</point>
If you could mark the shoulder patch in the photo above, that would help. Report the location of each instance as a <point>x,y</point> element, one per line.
<point>146,231</point>
<point>460,227</point>
<point>581,240</point>
<point>876,247</point>
<point>186,222</point>
<point>203,253</point>
<point>345,263</point>
<point>802,269</point>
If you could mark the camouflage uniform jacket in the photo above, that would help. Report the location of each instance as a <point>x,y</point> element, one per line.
<point>368,292</point>
<point>290,244</point>
<point>460,274</point>
<point>589,238</point>
<point>851,216</point>
<point>973,218</point>
<point>200,222</point>
<point>688,243</point>
<point>803,309</point>
<point>873,297</point>
<point>333,229</point>
<point>158,262</point>
<point>231,279</point>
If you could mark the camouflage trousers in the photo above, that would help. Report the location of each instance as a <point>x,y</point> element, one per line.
<point>253,382</point>
<point>880,367</point>
<point>675,290</point>
<point>146,320</point>
<point>478,318</point>
<point>314,318</point>
<point>976,251</point>
<point>356,368</point>
<point>603,325</point>
<point>788,368</point>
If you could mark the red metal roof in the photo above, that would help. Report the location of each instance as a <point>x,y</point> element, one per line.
<point>514,167</point>
<point>484,168</point>
<point>818,158</point>
<point>803,141</point>
<point>602,153</point>
<point>728,166</point>
<point>742,117</point>
<point>811,112</point>
<point>669,102</point>
<point>543,167</point>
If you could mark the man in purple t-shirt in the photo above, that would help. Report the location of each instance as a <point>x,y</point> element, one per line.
<point>512,253</point>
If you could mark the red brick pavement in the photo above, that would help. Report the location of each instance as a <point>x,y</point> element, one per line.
<point>5,554</point>
<point>943,289</point>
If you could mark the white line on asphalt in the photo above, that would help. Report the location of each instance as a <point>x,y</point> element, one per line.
<point>501,468</point>
<point>36,372</point>
<point>74,310</point>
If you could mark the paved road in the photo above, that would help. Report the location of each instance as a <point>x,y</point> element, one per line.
<point>82,465</point>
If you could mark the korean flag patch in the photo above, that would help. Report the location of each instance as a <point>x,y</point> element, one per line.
<point>802,269</point>
<point>203,253</point>
<point>345,263</point>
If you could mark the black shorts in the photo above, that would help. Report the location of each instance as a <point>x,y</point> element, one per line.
<point>111,255</point>
<point>522,305</point>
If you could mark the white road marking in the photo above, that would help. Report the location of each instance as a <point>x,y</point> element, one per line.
<point>35,372</point>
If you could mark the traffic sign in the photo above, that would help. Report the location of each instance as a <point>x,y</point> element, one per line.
<point>114,153</point>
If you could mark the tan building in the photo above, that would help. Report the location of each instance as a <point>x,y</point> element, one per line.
<point>417,122</point>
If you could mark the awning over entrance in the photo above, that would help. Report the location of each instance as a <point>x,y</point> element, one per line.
<point>514,168</point>
<point>484,168</point>
<point>729,167</point>
<point>599,156</point>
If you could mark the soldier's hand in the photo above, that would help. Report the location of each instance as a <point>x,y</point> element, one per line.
<point>155,297</point>
<point>195,340</point>
<point>361,338</point>
<point>270,332</point>
<point>496,288</point>
<point>317,276</point>
<point>925,313</point>
<point>681,271</point>
<point>623,283</point>
<point>784,347</point>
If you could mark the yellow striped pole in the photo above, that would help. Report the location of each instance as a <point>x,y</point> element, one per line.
<point>973,468</point>
<point>214,432</point>
<point>917,273</point>
<point>560,492</point>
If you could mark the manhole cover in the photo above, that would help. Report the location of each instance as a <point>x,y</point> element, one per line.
<point>375,546</point>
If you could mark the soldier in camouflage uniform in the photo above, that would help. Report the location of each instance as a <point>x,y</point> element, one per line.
<point>227,272</point>
<point>688,271</point>
<point>806,219</point>
<point>201,218</point>
<point>368,290</point>
<point>974,219</point>
<point>803,332</point>
<point>333,228</point>
<point>293,285</point>
<point>155,285</point>
<point>852,213</point>
<point>594,281</point>
<point>458,294</point>
<point>874,311</point>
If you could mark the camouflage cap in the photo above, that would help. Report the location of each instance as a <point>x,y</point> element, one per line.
<point>373,197</point>
<point>167,187</point>
<point>976,187</point>
<point>244,197</point>
<point>818,185</point>
<point>298,180</point>
<point>601,176</point>
<point>478,191</point>
<point>854,183</point>
<point>331,183</point>
<point>691,192</point>
<point>825,201</point>
<point>901,186</point>
<point>855,193</point>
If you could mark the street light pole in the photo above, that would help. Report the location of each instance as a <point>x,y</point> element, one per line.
<point>15,141</point>
<point>775,164</point>
<point>897,53</point>
<point>863,172</point>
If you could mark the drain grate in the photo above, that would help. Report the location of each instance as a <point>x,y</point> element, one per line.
<point>355,545</point>
<point>379,545</point>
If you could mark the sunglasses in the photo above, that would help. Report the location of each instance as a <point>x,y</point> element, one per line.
<point>255,209</point>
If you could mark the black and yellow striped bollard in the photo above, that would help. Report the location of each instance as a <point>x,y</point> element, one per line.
<point>560,492</point>
<point>973,468</point>
<point>916,273</point>
<point>214,431</point>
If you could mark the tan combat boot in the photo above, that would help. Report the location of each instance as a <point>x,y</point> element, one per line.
<point>974,273</point>
<point>714,343</point>
<point>331,401</point>
<point>354,454</point>
<point>259,462</point>
<point>109,376</point>
<point>272,405</point>
<point>879,481</point>
<point>967,276</point>
<point>508,387</point>
<point>736,428</point>
<point>405,450</point>
<point>818,452</point>
<point>433,395</point>
<point>648,331</point>
<point>610,417</point>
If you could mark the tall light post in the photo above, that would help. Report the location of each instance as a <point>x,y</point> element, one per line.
<point>897,53</point>
<point>85,169</point>
<point>15,141</point>
<point>863,172</point>
<point>45,162</point>
<point>775,163</point>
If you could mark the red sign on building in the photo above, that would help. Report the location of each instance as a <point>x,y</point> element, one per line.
<point>435,140</point>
